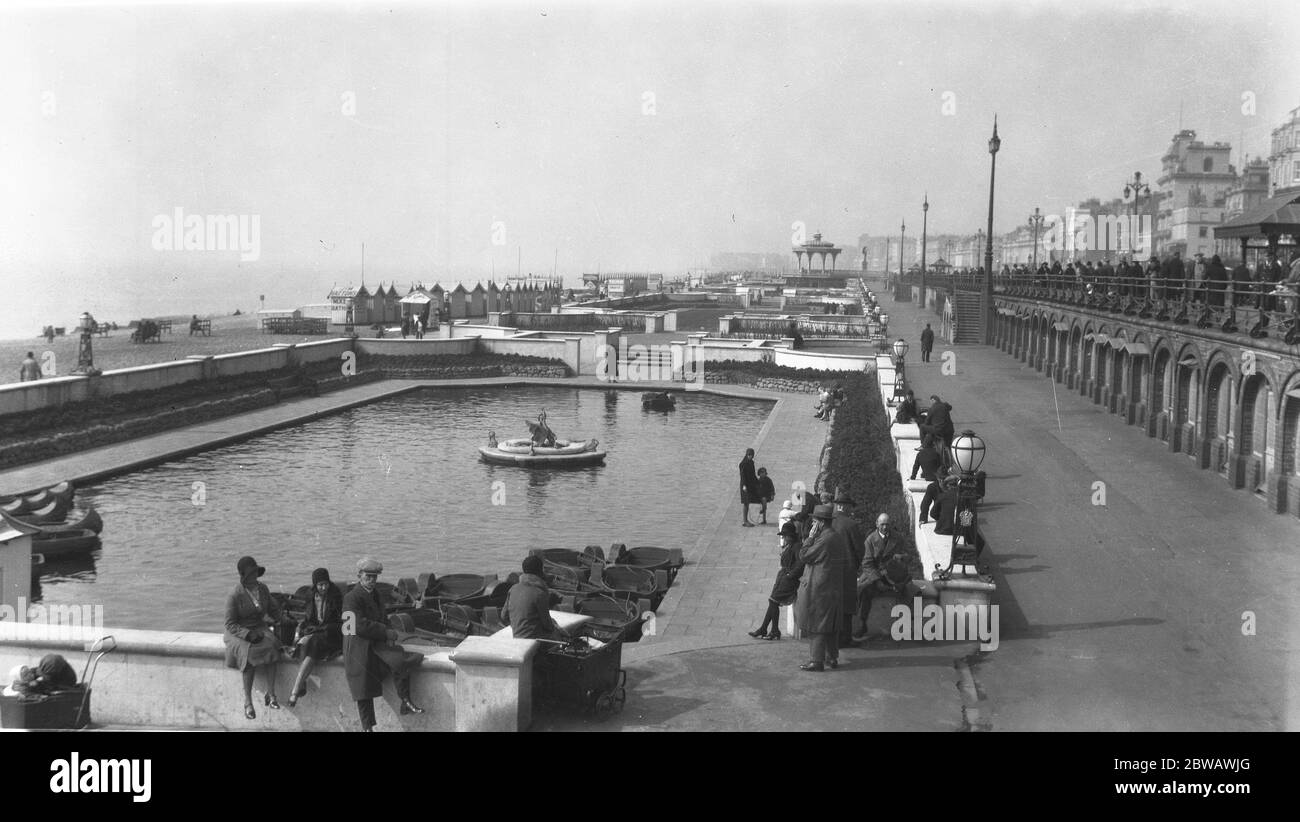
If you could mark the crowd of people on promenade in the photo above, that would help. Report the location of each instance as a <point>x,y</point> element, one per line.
<point>1196,278</point>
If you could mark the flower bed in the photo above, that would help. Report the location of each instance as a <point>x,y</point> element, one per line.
<point>771,376</point>
<point>860,461</point>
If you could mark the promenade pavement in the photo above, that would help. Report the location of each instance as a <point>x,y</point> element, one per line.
<point>1134,614</point>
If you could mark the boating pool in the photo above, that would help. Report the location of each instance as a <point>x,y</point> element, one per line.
<point>401,479</point>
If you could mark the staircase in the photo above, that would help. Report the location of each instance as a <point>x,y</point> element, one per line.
<point>969,319</point>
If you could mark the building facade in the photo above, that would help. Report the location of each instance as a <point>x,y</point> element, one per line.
<point>1193,189</point>
<point>1284,156</point>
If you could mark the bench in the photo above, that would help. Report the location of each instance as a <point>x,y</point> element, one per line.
<point>203,327</point>
<point>164,325</point>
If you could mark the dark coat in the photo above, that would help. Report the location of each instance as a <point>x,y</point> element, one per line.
<point>927,462</point>
<point>820,606</point>
<point>855,541</point>
<point>528,609</point>
<point>749,479</point>
<point>906,412</point>
<point>945,511</point>
<point>365,645</point>
<point>1216,278</point>
<point>927,338</point>
<point>325,628</point>
<point>880,552</point>
<point>786,588</point>
<point>939,420</point>
<point>766,490</point>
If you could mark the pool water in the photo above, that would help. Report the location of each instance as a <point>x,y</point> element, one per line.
<point>401,480</point>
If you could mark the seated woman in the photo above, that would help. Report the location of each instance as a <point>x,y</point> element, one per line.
<point>907,412</point>
<point>786,587</point>
<point>250,643</point>
<point>321,631</point>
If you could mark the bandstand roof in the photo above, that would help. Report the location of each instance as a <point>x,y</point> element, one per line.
<point>1276,215</point>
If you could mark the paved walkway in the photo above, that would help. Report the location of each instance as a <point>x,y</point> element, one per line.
<point>1131,614</point>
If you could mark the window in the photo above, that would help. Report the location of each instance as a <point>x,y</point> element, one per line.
<point>1205,231</point>
<point>1208,165</point>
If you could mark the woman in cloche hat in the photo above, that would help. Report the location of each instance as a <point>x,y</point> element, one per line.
<point>250,644</point>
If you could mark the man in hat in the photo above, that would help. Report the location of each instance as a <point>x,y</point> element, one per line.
<point>844,523</point>
<point>884,570</point>
<point>927,343</point>
<point>528,606</point>
<point>369,652</point>
<point>819,606</point>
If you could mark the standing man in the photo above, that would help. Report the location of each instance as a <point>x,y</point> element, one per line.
<point>750,492</point>
<point>369,652</point>
<point>819,605</point>
<point>846,525</point>
<point>884,571</point>
<point>30,369</point>
<point>927,343</point>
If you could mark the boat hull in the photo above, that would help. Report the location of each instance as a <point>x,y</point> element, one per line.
<point>54,546</point>
<point>496,456</point>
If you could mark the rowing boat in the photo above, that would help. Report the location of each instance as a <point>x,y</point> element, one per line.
<point>66,543</point>
<point>496,456</point>
<point>88,521</point>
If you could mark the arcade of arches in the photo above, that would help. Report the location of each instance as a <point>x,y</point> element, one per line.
<point>1234,409</point>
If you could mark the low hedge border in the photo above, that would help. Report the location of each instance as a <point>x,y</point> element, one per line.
<point>860,461</point>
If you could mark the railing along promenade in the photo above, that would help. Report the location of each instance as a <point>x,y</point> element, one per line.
<point>1251,308</point>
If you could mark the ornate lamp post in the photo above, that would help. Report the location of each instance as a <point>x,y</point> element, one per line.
<point>987,302</point>
<point>85,352</point>
<point>1139,190</point>
<point>967,455</point>
<point>902,250</point>
<point>925,218</point>
<point>900,351</point>
<point>1035,222</point>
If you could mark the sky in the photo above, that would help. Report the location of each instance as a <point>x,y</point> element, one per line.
<point>461,140</point>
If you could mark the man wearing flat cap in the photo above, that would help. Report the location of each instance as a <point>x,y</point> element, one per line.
<point>369,650</point>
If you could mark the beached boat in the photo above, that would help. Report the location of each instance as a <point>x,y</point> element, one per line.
<point>54,546</point>
<point>90,520</point>
<point>632,583</point>
<point>658,401</point>
<point>611,618</point>
<point>455,587</point>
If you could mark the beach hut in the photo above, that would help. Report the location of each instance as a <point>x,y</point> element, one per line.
<point>477,301</point>
<point>458,307</point>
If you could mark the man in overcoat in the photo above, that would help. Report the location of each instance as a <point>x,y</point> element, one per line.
<point>845,524</point>
<point>820,603</point>
<point>927,343</point>
<point>369,652</point>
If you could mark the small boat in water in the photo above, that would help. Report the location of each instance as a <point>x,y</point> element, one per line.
<point>611,618</point>
<point>541,449</point>
<point>658,401</point>
<point>87,521</point>
<point>65,543</point>
<point>55,510</point>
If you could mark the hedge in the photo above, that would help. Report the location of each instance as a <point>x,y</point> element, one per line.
<point>861,462</point>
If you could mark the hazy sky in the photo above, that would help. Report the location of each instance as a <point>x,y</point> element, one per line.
<point>450,138</point>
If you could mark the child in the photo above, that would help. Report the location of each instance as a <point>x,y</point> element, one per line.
<point>767,493</point>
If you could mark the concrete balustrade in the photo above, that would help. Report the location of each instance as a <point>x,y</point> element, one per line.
<point>179,680</point>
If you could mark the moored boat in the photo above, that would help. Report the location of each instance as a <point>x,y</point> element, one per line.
<point>455,587</point>
<point>496,456</point>
<point>658,401</point>
<point>633,583</point>
<point>55,510</point>
<point>53,546</point>
<point>90,520</point>
<point>652,558</point>
<point>611,618</point>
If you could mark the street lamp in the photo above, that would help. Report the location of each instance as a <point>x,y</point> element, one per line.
<point>900,351</point>
<point>1139,190</point>
<point>987,306</point>
<point>925,217</point>
<point>1035,222</point>
<point>967,456</point>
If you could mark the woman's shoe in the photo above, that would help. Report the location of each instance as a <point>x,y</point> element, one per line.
<point>759,634</point>
<point>773,635</point>
<point>249,713</point>
<point>272,702</point>
<point>292,701</point>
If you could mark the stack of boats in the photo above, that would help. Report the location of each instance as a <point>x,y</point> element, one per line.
<point>442,611</point>
<point>62,532</point>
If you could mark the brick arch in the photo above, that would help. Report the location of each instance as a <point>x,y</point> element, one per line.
<point>1252,430</point>
<point>1162,362</point>
<point>1288,442</point>
<point>1219,394</point>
